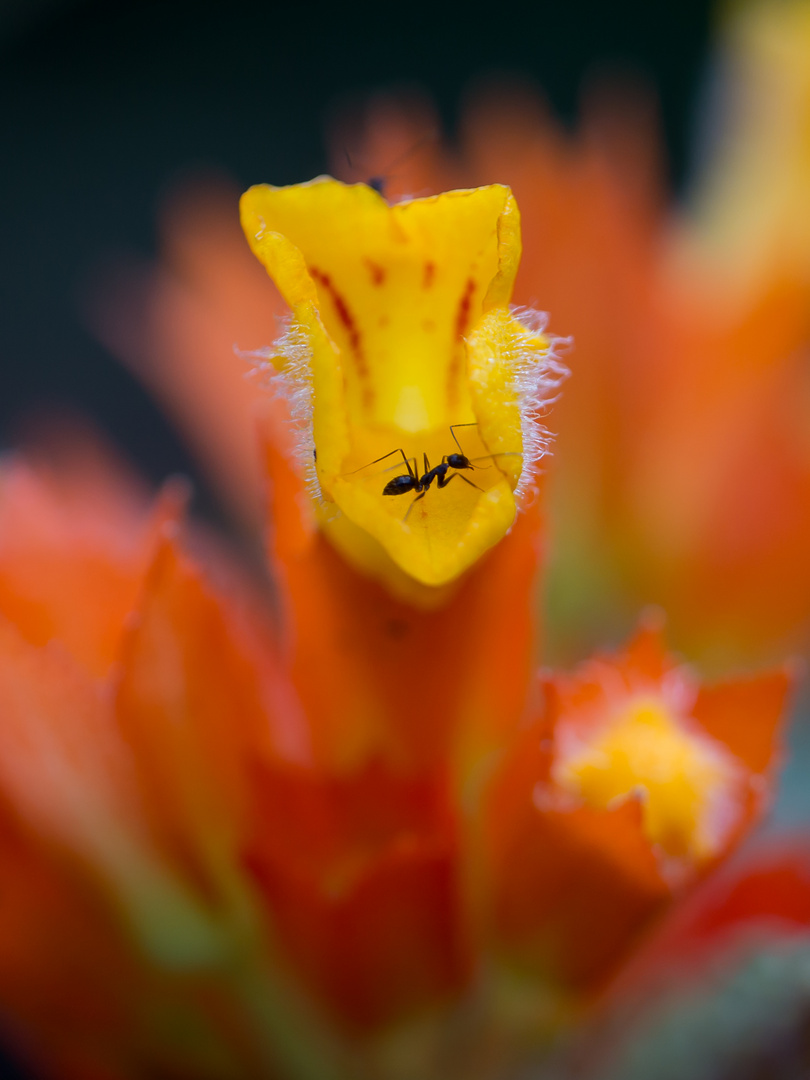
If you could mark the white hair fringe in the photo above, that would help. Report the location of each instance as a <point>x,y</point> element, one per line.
<point>537,387</point>
<point>285,370</point>
<point>536,383</point>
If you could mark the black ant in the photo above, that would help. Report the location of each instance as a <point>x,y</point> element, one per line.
<point>412,481</point>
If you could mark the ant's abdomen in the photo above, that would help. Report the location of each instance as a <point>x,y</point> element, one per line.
<point>400,485</point>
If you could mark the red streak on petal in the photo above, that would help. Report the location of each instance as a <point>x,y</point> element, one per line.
<point>462,323</point>
<point>352,330</point>
<point>464,306</point>
<point>429,274</point>
<point>377,272</point>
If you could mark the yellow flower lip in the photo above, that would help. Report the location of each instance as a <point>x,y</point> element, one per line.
<point>689,783</point>
<point>401,352</point>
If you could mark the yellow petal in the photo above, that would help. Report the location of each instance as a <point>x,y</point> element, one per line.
<point>403,351</point>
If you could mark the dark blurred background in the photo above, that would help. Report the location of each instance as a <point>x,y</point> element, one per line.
<point>104,104</point>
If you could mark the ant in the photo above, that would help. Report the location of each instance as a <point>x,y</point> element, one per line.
<point>412,481</point>
<point>380,183</point>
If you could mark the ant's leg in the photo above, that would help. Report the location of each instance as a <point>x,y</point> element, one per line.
<point>443,481</point>
<point>415,501</point>
<point>391,468</point>
<point>399,450</point>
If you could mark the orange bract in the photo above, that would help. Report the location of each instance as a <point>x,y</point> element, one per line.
<point>127,903</point>
<point>379,677</point>
<point>362,883</point>
<point>632,781</point>
<point>73,551</point>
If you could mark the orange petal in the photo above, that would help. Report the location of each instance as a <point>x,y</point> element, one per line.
<point>747,715</point>
<point>140,971</point>
<point>58,948</point>
<point>736,939</point>
<point>379,677</point>
<point>572,887</point>
<point>637,718</point>
<point>632,784</point>
<point>75,540</point>
<point>61,764</point>
<point>66,968</point>
<point>766,889</point>
<point>198,697</point>
<point>360,875</point>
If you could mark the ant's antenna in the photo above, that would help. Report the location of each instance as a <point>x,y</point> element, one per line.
<point>379,182</point>
<point>455,438</point>
<point>376,461</point>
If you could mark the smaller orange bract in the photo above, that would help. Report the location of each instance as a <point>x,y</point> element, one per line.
<point>633,780</point>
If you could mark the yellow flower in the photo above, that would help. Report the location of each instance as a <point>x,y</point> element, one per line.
<point>401,352</point>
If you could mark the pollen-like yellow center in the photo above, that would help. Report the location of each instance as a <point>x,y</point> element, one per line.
<point>683,777</point>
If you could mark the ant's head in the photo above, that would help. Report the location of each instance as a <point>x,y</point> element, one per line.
<point>459,461</point>
<point>381,180</point>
